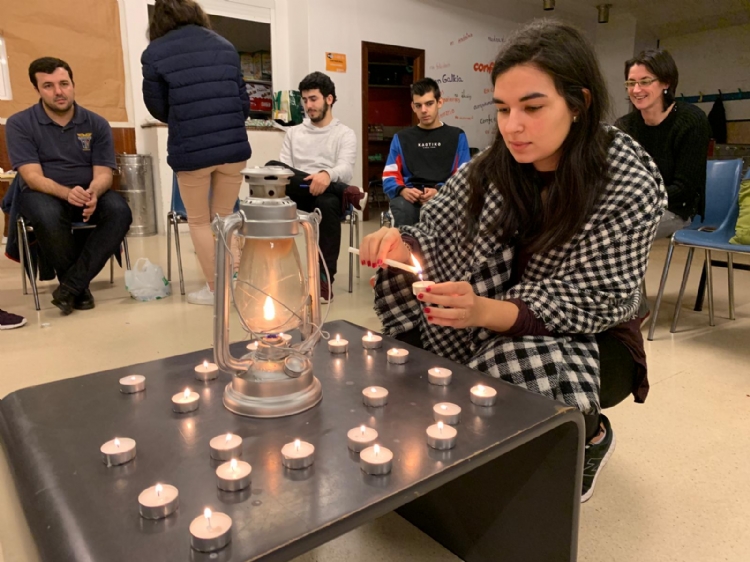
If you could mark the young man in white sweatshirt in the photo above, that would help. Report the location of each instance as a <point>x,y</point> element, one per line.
<point>322,152</point>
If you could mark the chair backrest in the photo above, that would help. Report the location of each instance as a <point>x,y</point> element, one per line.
<point>729,223</point>
<point>722,183</point>
<point>178,207</point>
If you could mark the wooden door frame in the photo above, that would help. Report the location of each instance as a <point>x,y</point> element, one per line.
<point>381,48</point>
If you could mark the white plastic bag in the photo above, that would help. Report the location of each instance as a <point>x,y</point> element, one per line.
<point>146,281</point>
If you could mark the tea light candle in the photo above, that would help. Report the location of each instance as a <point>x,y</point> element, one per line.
<point>158,502</point>
<point>361,437</point>
<point>297,455</point>
<point>286,337</point>
<point>210,531</point>
<point>225,447</point>
<point>398,356</point>
<point>252,346</point>
<point>372,341</point>
<point>338,345</point>
<point>447,413</point>
<point>118,451</point>
<point>483,395</point>
<point>420,286</point>
<point>439,377</point>
<point>441,436</point>
<point>132,384</point>
<point>375,396</point>
<point>184,402</point>
<point>206,371</point>
<point>233,476</point>
<point>376,460</point>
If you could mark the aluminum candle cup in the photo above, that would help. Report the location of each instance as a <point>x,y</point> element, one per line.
<point>483,395</point>
<point>338,345</point>
<point>360,438</point>
<point>132,384</point>
<point>376,460</point>
<point>372,341</point>
<point>233,476</point>
<point>206,371</point>
<point>447,413</point>
<point>184,402</point>
<point>441,436</point>
<point>158,502</point>
<point>420,286</point>
<point>210,531</point>
<point>118,451</point>
<point>226,447</point>
<point>398,356</point>
<point>375,396</point>
<point>297,455</point>
<point>439,376</point>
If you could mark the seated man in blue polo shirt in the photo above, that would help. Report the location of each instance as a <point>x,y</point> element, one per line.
<point>65,156</point>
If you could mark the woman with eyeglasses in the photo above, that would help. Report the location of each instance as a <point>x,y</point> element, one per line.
<point>675,133</point>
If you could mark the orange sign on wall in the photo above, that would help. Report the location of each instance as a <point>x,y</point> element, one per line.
<point>336,62</point>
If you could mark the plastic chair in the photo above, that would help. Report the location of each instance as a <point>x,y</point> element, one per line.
<point>722,193</point>
<point>24,251</point>
<point>354,217</point>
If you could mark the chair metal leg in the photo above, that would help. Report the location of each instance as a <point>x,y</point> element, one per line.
<point>21,253</point>
<point>685,276</point>
<point>710,289</point>
<point>662,284</point>
<point>127,253</point>
<point>351,245</point>
<point>169,246</point>
<point>32,272</point>
<point>730,276</point>
<point>357,238</point>
<point>179,256</point>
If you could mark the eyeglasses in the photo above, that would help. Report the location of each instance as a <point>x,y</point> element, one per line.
<point>645,83</point>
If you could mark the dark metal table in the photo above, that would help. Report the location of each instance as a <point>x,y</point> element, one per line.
<point>509,490</point>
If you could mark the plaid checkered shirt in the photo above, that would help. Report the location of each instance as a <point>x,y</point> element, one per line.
<point>584,287</point>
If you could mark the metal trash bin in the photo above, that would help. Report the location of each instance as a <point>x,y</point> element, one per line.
<point>137,187</point>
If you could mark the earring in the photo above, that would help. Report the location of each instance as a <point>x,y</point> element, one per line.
<point>666,92</point>
<point>575,119</point>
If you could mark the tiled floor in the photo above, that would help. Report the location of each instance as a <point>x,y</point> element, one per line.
<point>676,489</point>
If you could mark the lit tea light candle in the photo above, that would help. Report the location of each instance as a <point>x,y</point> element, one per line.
<point>210,531</point>
<point>483,395</point>
<point>421,285</point>
<point>447,413</point>
<point>118,451</point>
<point>233,476</point>
<point>158,502</point>
<point>132,384</point>
<point>376,460</point>
<point>206,371</point>
<point>398,356</point>
<point>252,346</point>
<point>338,345</point>
<point>286,337</point>
<point>297,455</point>
<point>225,447</point>
<point>184,402</point>
<point>439,376</point>
<point>372,341</point>
<point>375,396</point>
<point>441,436</point>
<point>361,437</point>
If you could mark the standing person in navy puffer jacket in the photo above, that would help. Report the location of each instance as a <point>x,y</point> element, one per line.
<point>192,81</point>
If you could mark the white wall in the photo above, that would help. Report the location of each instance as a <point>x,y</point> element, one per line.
<point>714,60</point>
<point>615,43</point>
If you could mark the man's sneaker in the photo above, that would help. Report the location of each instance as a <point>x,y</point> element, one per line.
<point>63,299</point>
<point>326,292</point>
<point>84,301</point>
<point>204,296</point>
<point>8,320</point>
<point>595,457</point>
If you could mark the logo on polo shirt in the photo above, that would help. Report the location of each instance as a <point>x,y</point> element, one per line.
<point>429,144</point>
<point>85,140</point>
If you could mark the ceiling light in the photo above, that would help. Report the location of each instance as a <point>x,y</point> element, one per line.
<point>549,5</point>
<point>603,12</point>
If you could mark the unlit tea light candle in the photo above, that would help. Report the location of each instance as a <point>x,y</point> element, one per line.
<point>361,437</point>
<point>118,451</point>
<point>211,531</point>
<point>376,460</point>
<point>297,455</point>
<point>338,345</point>
<point>375,396</point>
<point>441,436</point>
<point>398,356</point>
<point>233,476</point>
<point>447,413</point>
<point>439,376</point>
<point>132,384</point>
<point>158,502</point>
<point>372,341</point>
<point>225,447</point>
<point>206,371</point>
<point>184,402</point>
<point>483,395</point>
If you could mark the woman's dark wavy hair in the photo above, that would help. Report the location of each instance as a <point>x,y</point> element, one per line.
<point>661,64</point>
<point>171,14</point>
<point>566,56</point>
